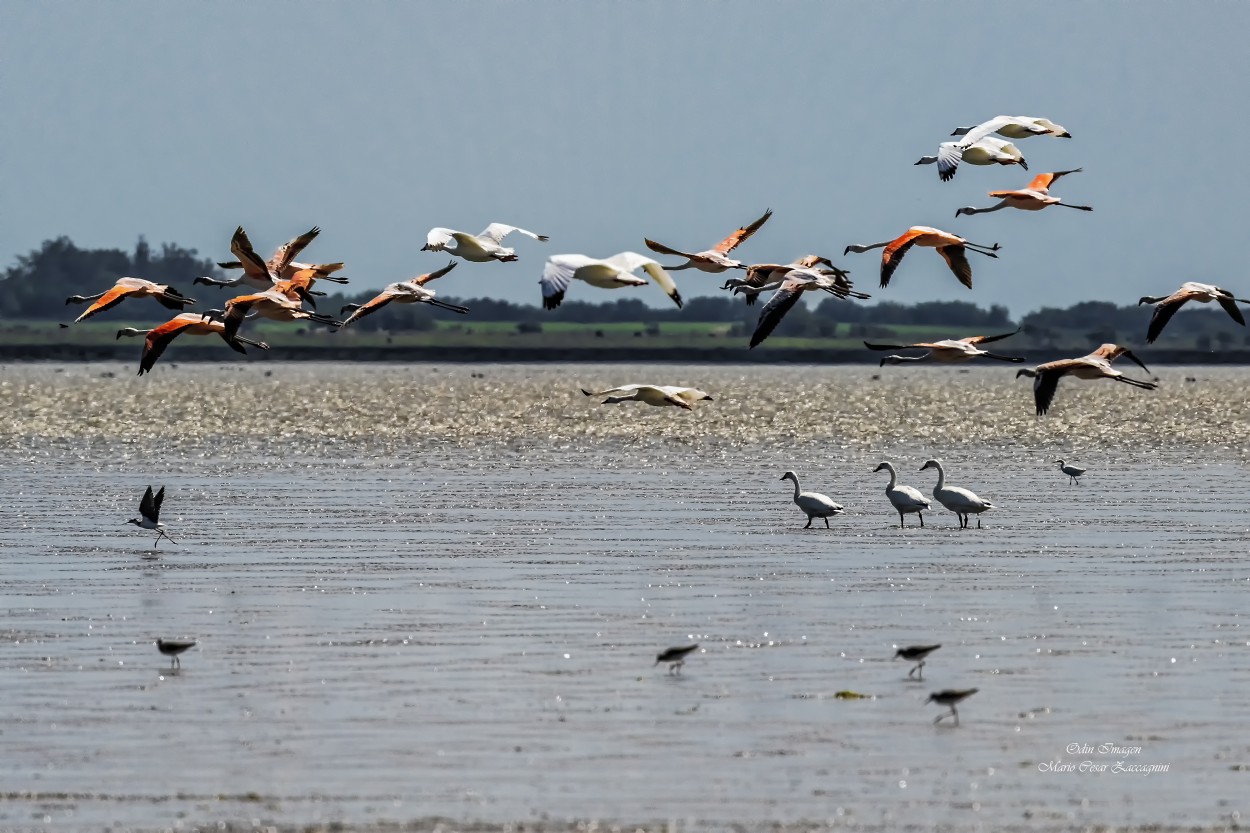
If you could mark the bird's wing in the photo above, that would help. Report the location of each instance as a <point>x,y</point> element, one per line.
<point>956,258</point>
<point>1230,307</point>
<point>1163,313</point>
<point>241,247</point>
<point>422,280</point>
<point>173,301</point>
<point>289,250</point>
<point>557,275</point>
<point>1015,192</point>
<point>740,236</point>
<point>145,506</point>
<point>108,300</point>
<point>786,296</point>
<point>437,238</point>
<point>1045,384</point>
<point>158,339</point>
<point>892,255</point>
<point>236,310</point>
<point>665,250</point>
<point>984,129</point>
<point>988,339</point>
<point>371,306</point>
<point>872,346</point>
<point>949,156</point>
<point>629,261</point>
<point>498,231</point>
<point>623,389</point>
<point>156,503</point>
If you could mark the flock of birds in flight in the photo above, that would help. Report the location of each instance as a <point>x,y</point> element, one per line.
<point>282,289</point>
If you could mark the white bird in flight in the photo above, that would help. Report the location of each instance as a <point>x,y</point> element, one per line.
<point>988,151</point>
<point>609,273</point>
<point>478,248</point>
<point>1011,127</point>
<point>653,395</point>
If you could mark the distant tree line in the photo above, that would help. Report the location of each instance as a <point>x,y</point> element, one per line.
<point>36,286</point>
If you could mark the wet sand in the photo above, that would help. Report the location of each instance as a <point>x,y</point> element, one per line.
<point>422,594</point>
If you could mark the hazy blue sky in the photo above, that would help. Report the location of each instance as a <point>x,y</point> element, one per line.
<point>601,123</point>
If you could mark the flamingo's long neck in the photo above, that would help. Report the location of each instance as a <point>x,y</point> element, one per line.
<point>858,247</point>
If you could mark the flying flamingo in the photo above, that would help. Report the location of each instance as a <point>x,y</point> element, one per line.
<point>189,323</point>
<point>405,292</point>
<point>1203,293</point>
<point>1097,365</point>
<point>130,288</point>
<point>714,260</point>
<point>951,247</point>
<point>1033,198</point>
<point>947,350</point>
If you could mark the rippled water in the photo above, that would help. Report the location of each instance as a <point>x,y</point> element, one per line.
<point>427,593</point>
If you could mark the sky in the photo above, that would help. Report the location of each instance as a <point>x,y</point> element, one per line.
<point>601,123</point>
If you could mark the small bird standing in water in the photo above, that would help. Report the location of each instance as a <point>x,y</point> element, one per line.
<point>150,509</point>
<point>173,647</point>
<point>1074,472</point>
<point>675,657</point>
<point>949,697</point>
<point>916,653</point>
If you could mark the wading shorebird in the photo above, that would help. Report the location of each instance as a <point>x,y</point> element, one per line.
<point>1034,197</point>
<point>478,248</point>
<point>652,395</point>
<point>813,504</point>
<point>951,247</point>
<point>189,323</point>
<point>150,513</point>
<point>917,654</point>
<point>405,292</point>
<point>949,697</point>
<point>1097,365</point>
<point>987,151</point>
<point>905,499</point>
<point>714,260</point>
<point>1073,472</point>
<point>609,273</point>
<point>1203,293</point>
<point>173,647</point>
<point>947,350</point>
<point>1010,127</point>
<point>675,657</point>
<point>788,292</point>
<point>960,501</point>
<point>281,264</point>
<point>124,288</point>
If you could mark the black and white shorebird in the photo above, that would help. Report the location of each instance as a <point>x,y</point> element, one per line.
<point>917,654</point>
<point>675,657</point>
<point>949,697</point>
<point>150,510</point>
<point>1071,471</point>
<point>173,647</point>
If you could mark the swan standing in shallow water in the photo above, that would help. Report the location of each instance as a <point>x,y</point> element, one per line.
<point>905,499</point>
<point>814,504</point>
<point>1074,472</point>
<point>960,501</point>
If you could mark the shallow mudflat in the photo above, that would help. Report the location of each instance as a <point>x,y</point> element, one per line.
<point>423,594</point>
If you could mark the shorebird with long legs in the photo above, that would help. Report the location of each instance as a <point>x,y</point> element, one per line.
<point>1202,293</point>
<point>675,657</point>
<point>987,151</point>
<point>281,264</point>
<point>124,288</point>
<point>960,501</point>
<point>951,247</point>
<point>1073,472</point>
<point>905,499</point>
<point>658,395</point>
<point>405,292</point>
<point>1034,197</point>
<point>716,259</point>
<point>788,292</point>
<point>946,351</point>
<point>173,647</point>
<point>189,323</point>
<point>150,515</point>
<point>813,504</point>
<point>950,697</point>
<point>478,248</point>
<point>1010,127</point>
<point>1097,365</point>
<point>608,273</point>
<point>916,654</point>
